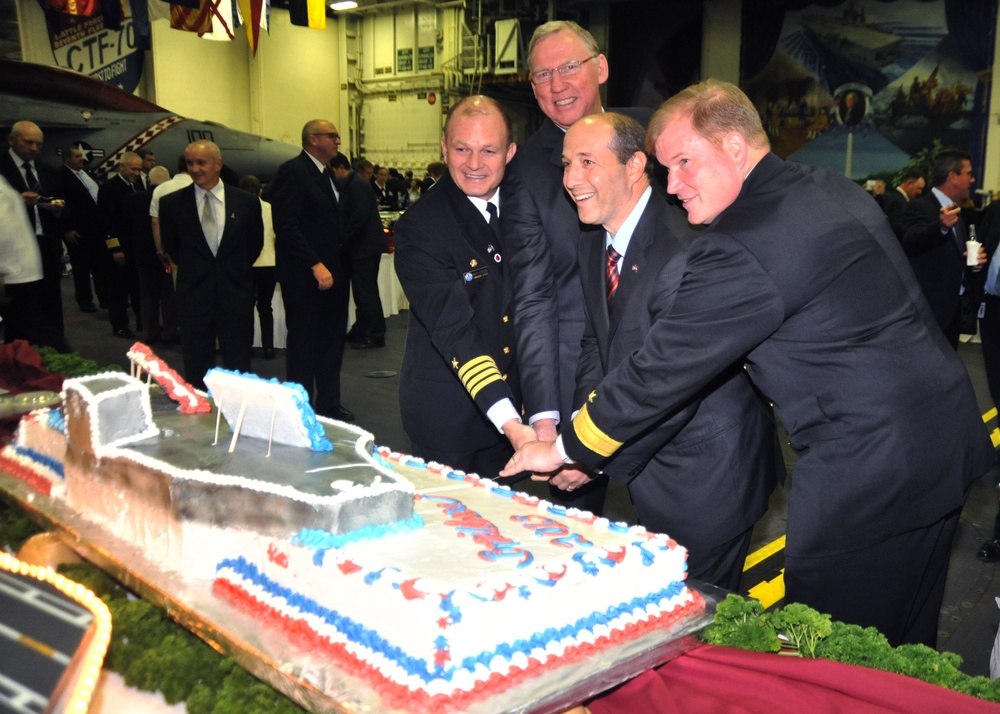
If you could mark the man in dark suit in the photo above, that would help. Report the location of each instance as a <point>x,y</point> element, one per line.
<point>35,309</point>
<point>435,170</point>
<point>312,268</point>
<point>719,454</point>
<point>567,71</point>
<point>148,162</point>
<point>814,296</point>
<point>214,233</point>
<point>458,388</point>
<point>934,236</point>
<point>365,242</point>
<point>155,281</point>
<point>385,196</point>
<point>119,261</point>
<point>82,229</point>
<point>894,202</point>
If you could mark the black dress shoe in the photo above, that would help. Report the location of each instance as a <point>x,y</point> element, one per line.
<point>342,414</point>
<point>89,307</point>
<point>368,344</point>
<point>268,353</point>
<point>990,551</point>
<point>127,333</point>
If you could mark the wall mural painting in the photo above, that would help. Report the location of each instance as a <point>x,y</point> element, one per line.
<point>861,87</point>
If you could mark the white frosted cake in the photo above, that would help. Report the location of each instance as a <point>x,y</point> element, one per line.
<point>436,587</point>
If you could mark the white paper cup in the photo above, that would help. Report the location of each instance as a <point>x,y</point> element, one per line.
<point>972,252</point>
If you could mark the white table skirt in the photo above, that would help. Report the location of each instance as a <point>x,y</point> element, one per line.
<point>389,289</point>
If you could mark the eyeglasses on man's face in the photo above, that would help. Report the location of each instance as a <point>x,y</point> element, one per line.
<point>566,69</point>
<point>332,134</point>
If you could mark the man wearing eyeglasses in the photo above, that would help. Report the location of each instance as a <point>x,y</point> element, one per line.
<point>311,267</point>
<point>38,315</point>
<point>566,71</point>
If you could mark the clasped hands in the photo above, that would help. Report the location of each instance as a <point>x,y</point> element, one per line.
<point>535,451</point>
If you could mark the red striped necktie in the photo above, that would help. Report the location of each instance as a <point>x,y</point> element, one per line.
<point>612,270</point>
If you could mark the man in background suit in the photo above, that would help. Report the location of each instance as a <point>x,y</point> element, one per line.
<point>719,454</point>
<point>159,309</point>
<point>567,71</point>
<point>934,236</point>
<point>894,202</point>
<point>148,162</point>
<point>385,195</point>
<point>365,242</point>
<point>35,311</point>
<point>119,261</point>
<point>435,170</point>
<point>82,229</point>
<point>814,296</point>
<point>458,388</point>
<point>214,233</point>
<point>312,268</point>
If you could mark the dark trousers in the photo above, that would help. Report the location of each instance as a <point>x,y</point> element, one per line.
<point>26,316</point>
<point>589,497</point>
<point>123,284</point>
<point>314,350</point>
<point>199,333</point>
<point>486,462</point>
<point>896,586</point>
<point>370,318</point>
<point>264,282</point>
<point>158,301</point>
<point>86,256</point>
<point>989,332</point>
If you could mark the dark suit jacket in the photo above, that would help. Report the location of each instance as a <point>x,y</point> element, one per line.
<point>49,184</point>
<point>219,284</point>
<point>363,234</point>
<point>543,232</point>
<point>81,214</point>
<point>459,323</point>
<point>110,202</point>
<point>815,294</point>
<point>386,196</point>
<point>935,257</point>
<point>138,227</point>
<point>307,226</point>
<point>718,454</point>
<point>894,206</point>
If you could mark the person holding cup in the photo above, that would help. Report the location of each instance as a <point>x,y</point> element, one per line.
<point>934,238</point>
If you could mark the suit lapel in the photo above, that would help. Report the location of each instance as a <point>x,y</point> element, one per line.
<point>593,261</point>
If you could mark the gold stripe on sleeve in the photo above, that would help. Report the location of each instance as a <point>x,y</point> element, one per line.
<point>592,437</point>
<point>477,373</point>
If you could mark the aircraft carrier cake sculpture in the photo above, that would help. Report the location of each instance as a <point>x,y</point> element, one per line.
<point>436,588</point>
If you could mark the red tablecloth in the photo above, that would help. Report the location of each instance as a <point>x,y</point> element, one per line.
<point>724,680</point>
<point>21,371</point>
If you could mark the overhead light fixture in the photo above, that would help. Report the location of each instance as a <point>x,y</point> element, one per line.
<point>347,5</point>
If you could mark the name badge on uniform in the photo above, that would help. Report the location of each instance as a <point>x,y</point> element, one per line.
<point>476,274</point>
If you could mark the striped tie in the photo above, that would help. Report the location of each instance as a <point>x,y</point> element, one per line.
<point>612,270</point>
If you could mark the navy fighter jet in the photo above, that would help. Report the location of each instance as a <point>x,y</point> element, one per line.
<point>72,108</point>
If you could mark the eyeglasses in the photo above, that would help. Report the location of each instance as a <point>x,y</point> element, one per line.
<point>332,134</point>
<point>566,69</point>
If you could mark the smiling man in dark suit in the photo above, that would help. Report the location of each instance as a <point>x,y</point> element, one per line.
<point>312,267</point>
<point>718,454</point>
<point>82,229</point>
<point>213,233</point>
<point>567,70</point>
<point>799,277</point>
<point>458,389</point>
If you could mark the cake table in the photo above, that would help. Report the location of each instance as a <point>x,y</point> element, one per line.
<point>315,683</point>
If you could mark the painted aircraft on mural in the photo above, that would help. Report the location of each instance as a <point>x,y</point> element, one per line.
<point>72,108</point>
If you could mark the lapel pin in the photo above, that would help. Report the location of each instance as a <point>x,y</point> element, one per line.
<point>473,263</point>
<point>635,268</point>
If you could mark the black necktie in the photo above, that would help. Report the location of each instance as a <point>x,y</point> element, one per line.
<point>494,222</point>
<point>29,178</point>
<point>33,187</point>
<point>328,177</point>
